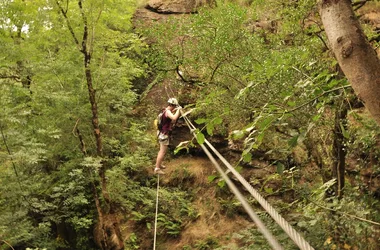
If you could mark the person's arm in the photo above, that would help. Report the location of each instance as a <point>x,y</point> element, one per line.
<point>174,116</point>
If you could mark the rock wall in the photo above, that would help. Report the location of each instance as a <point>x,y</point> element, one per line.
<point>177,6</point>
<point>155,10</point>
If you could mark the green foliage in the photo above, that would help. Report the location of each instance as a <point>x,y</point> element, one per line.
<point>273,88</point>
<point>230,206</point>
<point>175,210</point>
<point>209,243</point>
<point>181,203</point>
<point>46,115</point>
<point>221,183</point>
<point>272,84</point>
<point>333,223</point>
<point>200,137</point>
<point>132,242</point>
<point>252,238</point>
<point>210,125</point>
<point>172,228</point>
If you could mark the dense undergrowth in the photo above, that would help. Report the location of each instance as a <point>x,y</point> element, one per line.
<point>263,86</point>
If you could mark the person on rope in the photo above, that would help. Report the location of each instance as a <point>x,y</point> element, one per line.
<point>169,116</point>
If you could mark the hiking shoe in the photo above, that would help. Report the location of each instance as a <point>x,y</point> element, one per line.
<point>163,167</point>
<point>158,171</point>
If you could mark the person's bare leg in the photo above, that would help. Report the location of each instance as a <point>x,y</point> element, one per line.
<point>161,155</point>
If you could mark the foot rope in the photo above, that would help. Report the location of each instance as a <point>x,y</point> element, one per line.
<point>155,220</point>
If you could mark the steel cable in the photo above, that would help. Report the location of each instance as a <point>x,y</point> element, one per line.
<point>260,225</point>
<point>292,233</point>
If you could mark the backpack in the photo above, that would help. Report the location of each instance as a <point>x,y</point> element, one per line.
<point>159,119</point>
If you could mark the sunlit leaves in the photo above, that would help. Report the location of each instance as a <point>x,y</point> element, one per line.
<point>92,163</point>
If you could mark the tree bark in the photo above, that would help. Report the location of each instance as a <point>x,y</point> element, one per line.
<point>356,57</point>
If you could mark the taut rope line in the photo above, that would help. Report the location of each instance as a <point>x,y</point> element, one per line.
<point>155,220</point>
<point>272,241</point>
<point>297,238</point>
<point>292,233</point>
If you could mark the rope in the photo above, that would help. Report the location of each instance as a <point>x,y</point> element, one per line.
<point>155,220</point>
<point>296,237</point>
<point>272,241</point>
<point>292,233</point>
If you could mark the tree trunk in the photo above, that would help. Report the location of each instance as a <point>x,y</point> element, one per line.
<point>94,106</point>
<point>108,226</point>
<point>353,52</point>
<point>316,156</point>
<point>339,148</point>
<point>107,231</point>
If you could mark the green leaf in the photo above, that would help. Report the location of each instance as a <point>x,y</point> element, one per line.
<point>265,123</point>
<point>280,168</point>
<point>293,141</point>
<point>239,169</point>
<point>200,121</point>
<point>237,134</point>
<point>218,121</point>
<point>332,83</point>
<point>177,149</point>
<point>211,178</point>
<point>344,131</point>
<point>291,104</point>
<point>302,224</point>
<point>222,183</point>
<point>313,222</point>
<point>259,140</point>
<point>210,128</point>
<point>200,138</point>
<point>247,157</point>
<point>316,117</point>
<point>268,190</point>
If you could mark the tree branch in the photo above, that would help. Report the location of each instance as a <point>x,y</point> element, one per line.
<point>345,214</point>
<point>85,29</point>
<point>13,77</point>
<point>64,13</point>
<point>77,133</point>
<point>357,5</point>
<point>8,244</point>
<point>312,100</point>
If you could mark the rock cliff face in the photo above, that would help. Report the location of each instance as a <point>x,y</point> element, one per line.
<point>156,10</point>
<point>177,6</point>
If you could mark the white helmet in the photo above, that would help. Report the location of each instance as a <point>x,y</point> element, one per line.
<point>173,101</point>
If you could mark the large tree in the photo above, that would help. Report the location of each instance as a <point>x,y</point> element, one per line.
<point>107,231</point>
<point>353,52</point>
<point>65,81</point>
